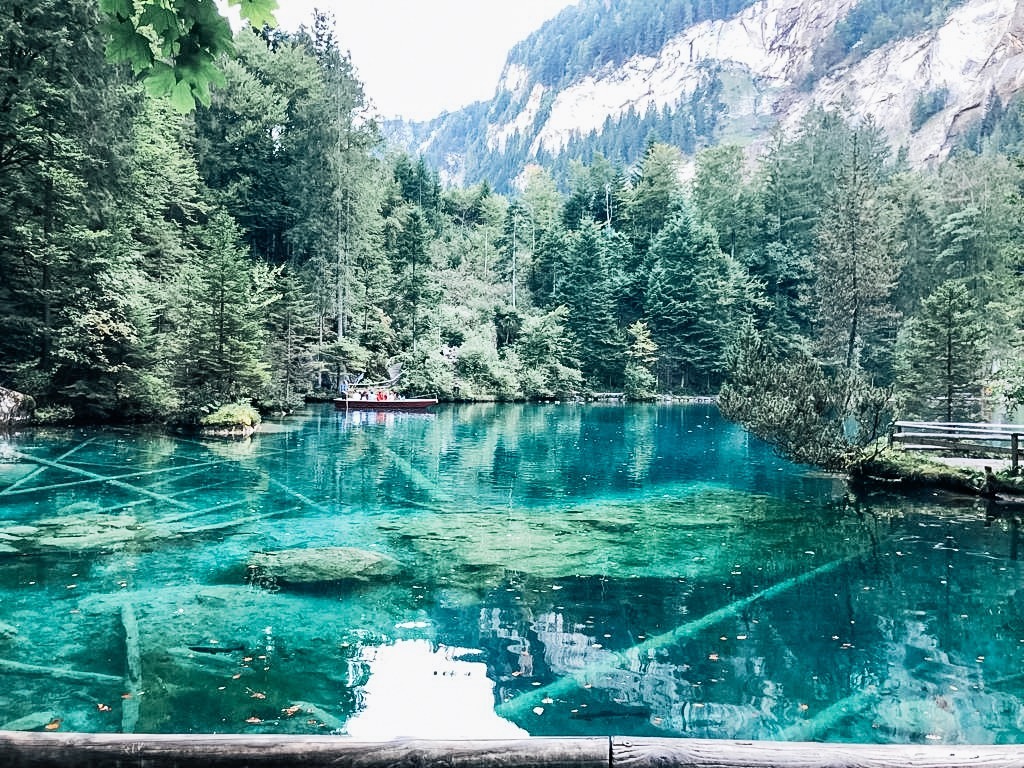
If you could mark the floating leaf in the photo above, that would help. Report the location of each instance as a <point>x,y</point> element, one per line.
<point>53,725</point>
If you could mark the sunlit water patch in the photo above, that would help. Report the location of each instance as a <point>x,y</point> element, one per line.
<point>493,571</point>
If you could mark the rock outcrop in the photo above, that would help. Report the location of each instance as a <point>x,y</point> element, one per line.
<point>765,57</point>
<point>14,407</point>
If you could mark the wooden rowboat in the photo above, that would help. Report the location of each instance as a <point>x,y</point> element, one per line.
<point>392,404</point>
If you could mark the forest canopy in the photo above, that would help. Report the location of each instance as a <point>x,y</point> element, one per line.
<point>160,263</point>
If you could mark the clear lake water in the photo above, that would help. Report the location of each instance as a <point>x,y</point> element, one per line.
<point>505,570</point>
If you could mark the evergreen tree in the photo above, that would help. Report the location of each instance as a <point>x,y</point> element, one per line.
<point>722,199</point>
<point>696,297</point>
<point>639,381</point>
<point>292,342</point>
<point>656,194</point>
<point>915,206</point>
<point>62,167</point>
<point>408,245</point>
<point>222,359</point>
<point>941,352</point>
<point>588,293</point>
<point>855,264</point>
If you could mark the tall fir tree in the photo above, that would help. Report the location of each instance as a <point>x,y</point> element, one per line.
<point>940,357</point>
<point>696,297</point>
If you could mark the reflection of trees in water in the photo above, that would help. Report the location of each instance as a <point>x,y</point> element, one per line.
<point>879,650</point>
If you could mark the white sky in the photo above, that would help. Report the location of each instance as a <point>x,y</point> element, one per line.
<point>419,58</point>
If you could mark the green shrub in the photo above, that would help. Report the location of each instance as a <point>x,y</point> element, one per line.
<point>232,415</point>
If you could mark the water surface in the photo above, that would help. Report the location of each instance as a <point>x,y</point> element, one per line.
<point>543,570</point>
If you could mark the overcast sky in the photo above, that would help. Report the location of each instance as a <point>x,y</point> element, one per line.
<point>418,58</point>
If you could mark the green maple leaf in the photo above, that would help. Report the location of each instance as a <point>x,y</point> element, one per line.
<point>258,12</point>
<point>162,20</point>
<point>126,44</point>
<point>161,80</point>
<point>182,98</point>
<point>119,9</point>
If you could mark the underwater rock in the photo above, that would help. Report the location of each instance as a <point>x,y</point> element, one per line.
<point>75,532</point>
<point>7,631</point>
<point>322,564</point>
<point>84,531</point>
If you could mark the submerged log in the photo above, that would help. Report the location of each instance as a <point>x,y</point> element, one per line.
<point>517,707</point>
<point>133,658</point>
<point>58,673</point>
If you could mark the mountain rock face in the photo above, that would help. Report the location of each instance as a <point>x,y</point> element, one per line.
<point>765,59</point>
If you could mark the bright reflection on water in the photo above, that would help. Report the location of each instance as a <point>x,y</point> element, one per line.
<point>511,569</point>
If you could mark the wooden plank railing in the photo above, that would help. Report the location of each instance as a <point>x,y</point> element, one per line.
<point>80,750</point>
<point>967,438</point>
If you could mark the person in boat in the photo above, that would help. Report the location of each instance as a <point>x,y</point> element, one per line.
<point>382,395</point>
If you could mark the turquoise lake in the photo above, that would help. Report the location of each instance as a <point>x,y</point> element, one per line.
<point>573,570</point>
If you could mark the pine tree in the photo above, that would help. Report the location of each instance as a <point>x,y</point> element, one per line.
<point>855,263</point>
<point>696,297</point>
<point>940,355</point>
<point>222,359</point>
<point>588,293</point>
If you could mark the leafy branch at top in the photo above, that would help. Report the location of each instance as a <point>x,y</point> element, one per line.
<point>172,45</point>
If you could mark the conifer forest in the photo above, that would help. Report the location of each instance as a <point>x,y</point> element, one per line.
<point>156,262</point>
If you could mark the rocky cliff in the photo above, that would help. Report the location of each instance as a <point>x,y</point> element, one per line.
<point>765,59</point>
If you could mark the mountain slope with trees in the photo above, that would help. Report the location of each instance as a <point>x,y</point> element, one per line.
<point>602,77</point>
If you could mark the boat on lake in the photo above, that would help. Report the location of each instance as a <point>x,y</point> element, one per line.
<point>390,404</point>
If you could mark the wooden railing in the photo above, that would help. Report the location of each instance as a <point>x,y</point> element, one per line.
<point>964,438</point>
<point>79,750</point>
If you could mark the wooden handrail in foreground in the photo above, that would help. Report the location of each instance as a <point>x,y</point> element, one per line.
<point>79,750</point>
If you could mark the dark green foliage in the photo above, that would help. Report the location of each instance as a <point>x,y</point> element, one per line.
<point>926,105</point>
<point>871,24</point>
<point>548,366</point>
<point>230,416</point>
<point>223,341</point>
<point>941,354</point>
<point>588,292</point>
<point>801,408</point>
<point>61,168</point>
<point>856,263</point>
<point>695,301</point>
<point>174,47</point>
<point>157,264</point>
